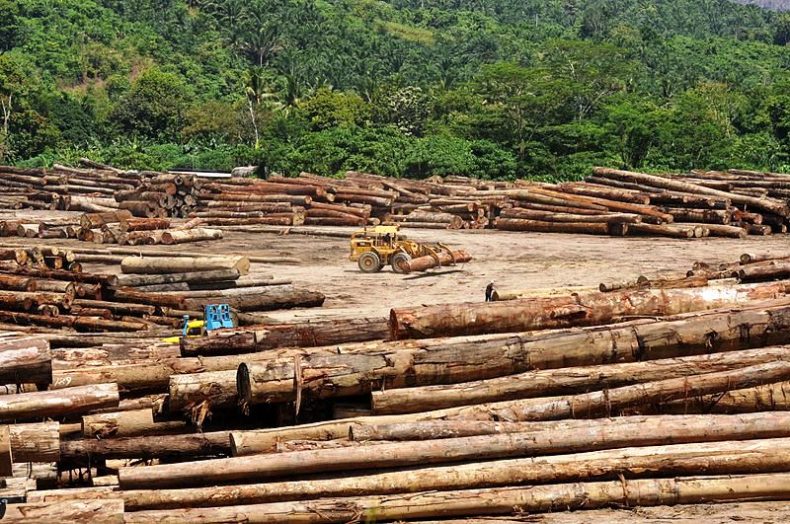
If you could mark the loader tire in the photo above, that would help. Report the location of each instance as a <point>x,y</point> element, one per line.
<point>369,263</point>
<point>399,261</point>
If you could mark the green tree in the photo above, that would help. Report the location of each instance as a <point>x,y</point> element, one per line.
<point>154,106</point>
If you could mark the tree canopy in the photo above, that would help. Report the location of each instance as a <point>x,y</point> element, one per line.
<point>413,88</point>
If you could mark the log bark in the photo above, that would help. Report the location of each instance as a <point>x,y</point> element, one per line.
<point>67,401</point>
<point>26,359</point>
<point>565,380</point>
<point>729,457</point>
<point>491,501</point>
<point>36,442</point>
<point>577,310</point>
<point>148,265</point>
<point>245,469</point>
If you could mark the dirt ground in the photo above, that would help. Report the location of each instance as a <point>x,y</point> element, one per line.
<point>511,260</point>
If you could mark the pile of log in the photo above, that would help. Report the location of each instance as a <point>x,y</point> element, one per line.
<point>109,227</point>
<point>48,287</point>
<point>645,393</point>
<point>698,204</point>
<point>98,188</point>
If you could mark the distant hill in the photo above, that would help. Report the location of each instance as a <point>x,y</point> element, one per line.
<point>776,5</point>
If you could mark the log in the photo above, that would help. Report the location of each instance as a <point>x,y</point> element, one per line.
<point>169,278</point>
<point>187,446</point>
<point>190,235</point>
<point>729,457</point>
<point>94,220</point>
<point>565,380</point>
<point>267,299</point>
<point>302,334</point>
<point>36,442</point>
<point>26,359</point>
<point>667,230</point>
<point>491,501</point>
<point>442,258</point>
<point>702,216</point>
<point>106,511</point>
<point>6,454</point>
<point>546,216</point>
<point>584,309</point>
<point>250,468</point>
<point>583,228</point>
<point>67,401</point>
<point>762,271</point>
<point>118,424</point>
<point>148,265</point>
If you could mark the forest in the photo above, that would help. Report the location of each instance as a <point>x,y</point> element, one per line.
<point>410,88</point>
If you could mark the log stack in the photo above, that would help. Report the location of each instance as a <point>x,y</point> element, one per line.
<point>698,204</point>
<point>652,393</point>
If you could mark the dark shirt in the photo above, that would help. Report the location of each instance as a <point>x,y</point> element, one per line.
<point>489,292</point>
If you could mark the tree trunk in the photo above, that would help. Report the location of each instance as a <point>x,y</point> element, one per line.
<point>682,459</point>
<point>250,468</point>
<point>25,359</point>
<point>579,310</point>
<point>149,265</point>
<point>565,380</point>
<point>67,401</point>
<point>36,442</point>
<point>490,501</point>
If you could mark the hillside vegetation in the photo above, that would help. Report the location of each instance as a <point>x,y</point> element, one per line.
<point>497,88</point>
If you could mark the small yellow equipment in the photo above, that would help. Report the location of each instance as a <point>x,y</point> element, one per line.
<point>215,317</point>
<point>379,246</point>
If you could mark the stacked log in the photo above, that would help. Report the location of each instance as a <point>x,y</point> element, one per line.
<point>539,404</point>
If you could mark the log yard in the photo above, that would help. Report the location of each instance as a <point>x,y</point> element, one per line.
<point>310,349</point>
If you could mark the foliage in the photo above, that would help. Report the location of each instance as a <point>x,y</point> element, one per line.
<point>495,88</point>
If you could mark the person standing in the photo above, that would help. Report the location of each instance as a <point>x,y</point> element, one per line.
<point>490,292</point>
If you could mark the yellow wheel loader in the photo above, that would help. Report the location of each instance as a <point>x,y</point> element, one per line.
<point>379,246</point>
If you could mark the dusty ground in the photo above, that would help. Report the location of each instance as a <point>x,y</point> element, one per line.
<point>538,261</point>
<point>511,260</point>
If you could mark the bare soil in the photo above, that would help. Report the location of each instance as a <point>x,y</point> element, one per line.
<point>538,261</point>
